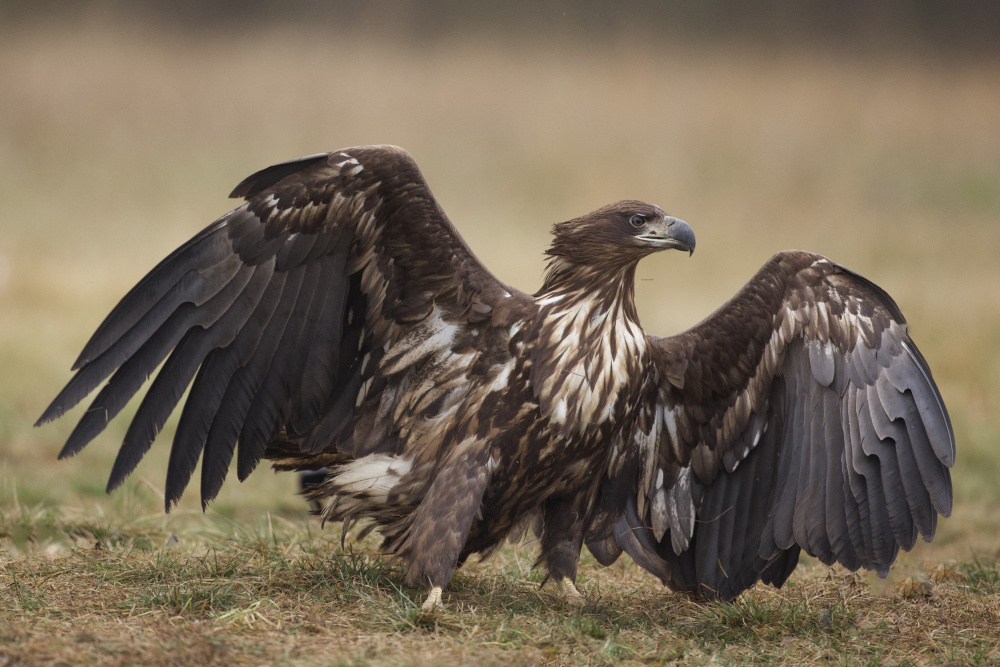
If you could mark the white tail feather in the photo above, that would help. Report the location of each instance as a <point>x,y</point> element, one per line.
<point>364,484</point>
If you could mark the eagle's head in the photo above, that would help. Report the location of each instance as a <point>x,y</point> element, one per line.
<point>616,236</point>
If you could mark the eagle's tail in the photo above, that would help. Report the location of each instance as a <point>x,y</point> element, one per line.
<point>363,488</point>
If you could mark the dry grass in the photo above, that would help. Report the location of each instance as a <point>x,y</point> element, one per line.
<point>280,592</point>
<point>119,141</point>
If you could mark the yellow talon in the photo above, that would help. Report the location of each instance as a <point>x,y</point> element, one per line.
<point>433,601</point>
<point>569,592</point>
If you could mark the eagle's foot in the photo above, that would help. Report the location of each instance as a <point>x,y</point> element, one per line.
<point>569,593</point>
<point>433,602</point>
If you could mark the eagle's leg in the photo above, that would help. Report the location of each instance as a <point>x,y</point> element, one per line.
<point>441,523</point>
<point>433,601</point>
<point>563,525</point>
<point>569,592</point>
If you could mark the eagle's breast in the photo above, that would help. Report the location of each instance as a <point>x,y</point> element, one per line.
<point>585,363</point>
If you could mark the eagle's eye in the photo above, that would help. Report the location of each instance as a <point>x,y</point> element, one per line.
<point>637,221</point>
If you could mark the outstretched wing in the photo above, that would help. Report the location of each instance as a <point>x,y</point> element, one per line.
<point>799,415</point>
<point>298,316</point>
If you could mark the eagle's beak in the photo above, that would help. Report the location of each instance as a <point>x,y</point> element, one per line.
<point>669,233</point>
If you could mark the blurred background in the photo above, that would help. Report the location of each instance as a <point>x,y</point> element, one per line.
<point>868,132</point>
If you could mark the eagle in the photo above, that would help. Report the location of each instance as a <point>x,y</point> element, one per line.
<point>336,319</point>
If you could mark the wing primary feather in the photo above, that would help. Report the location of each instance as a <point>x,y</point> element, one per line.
<point>810,451</point>
<point>789,470</point>
<point>883,548</point>
<point>632,536</point>
<point>318,376</point>
<point>349,380</point>
<point>777,571</point>
<point>313,362</point>
<point>270,404</point>
<point>229,414</point>
<point>188,273</point>
<point>164,393</point>
<point>140,365</point>
<point>814,501</point>
<point>707,563</point>
<point>747,528</point>
<point>209,385</point>
<point>124,384</point>
<point>336,420</point>
<point>605,551</point>
<point>893,439</point>
<point>916,378</point>
<point>732,521</point>
<point>933,473</point>
<point>837,530</point>
<point>156,406</point>
<point>860,469</point>
<point>195,288</point>
<point>922,472</point>
<point>254,373</point>
<point>760,547</point>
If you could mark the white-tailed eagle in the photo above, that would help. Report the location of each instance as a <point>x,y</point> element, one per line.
<point>337,319</point>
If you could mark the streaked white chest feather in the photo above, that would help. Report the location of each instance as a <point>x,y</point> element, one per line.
<point>597,350</point>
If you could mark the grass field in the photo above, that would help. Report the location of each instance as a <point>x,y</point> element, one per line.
<point>118,142</point>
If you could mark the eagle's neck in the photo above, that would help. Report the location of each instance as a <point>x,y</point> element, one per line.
<point>608,289</point>
<point>588,347</point>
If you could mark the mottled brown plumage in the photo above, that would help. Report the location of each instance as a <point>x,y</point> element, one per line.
<point>338,319</point>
